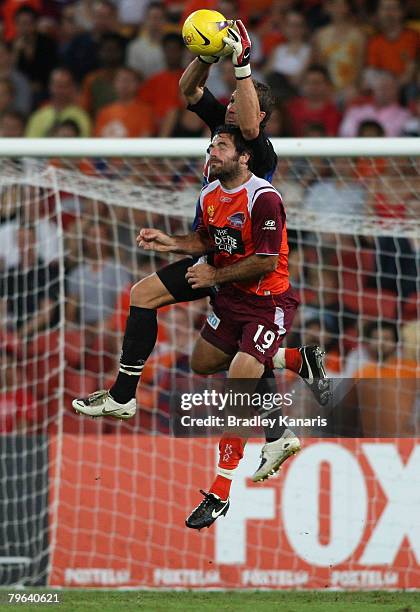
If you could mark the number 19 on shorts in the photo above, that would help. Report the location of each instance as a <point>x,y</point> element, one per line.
<point>263,341</point>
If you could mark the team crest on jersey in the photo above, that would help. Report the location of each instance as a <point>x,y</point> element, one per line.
<point>210,210</point>
<point>237,219</point>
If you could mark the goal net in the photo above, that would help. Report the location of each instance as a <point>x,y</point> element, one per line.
<point>103,502</point>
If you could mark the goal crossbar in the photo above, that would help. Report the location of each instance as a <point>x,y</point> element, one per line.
<point>176,147</point>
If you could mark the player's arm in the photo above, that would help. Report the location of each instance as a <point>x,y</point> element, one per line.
<point>203,275</point>
<point>191,83</point>
<point>247,104</point>
<point>196,243</point>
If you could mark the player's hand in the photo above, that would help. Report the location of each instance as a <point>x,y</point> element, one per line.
<point>201,276</point>
<point>151,239</point>
<point>240,43</point>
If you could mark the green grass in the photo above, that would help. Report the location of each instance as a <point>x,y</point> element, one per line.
<point>231,601</point>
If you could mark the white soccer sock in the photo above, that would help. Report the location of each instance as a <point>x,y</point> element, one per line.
<point>225,473</point>
<point>279,359</point>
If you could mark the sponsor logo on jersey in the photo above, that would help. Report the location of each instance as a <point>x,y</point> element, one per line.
<point>270,224</point>
<point>225,199</point>
<point>237,219</point>
<point>227,239</point>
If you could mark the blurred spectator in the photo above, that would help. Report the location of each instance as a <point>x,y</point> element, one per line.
<point>380,339</point>
<point>145,53</point>
<point>82,53</point>
<point>166,81</point>
<point>278,124</point>
<point>181,123</point>
<point>30,289</point>
<point>94,285</point>
<point>315,105</point>
<point>339,194</point>
<point>291,58</point>
<point>12,125</point>
<point>370,167</point>
<point>384,109</point>
<point>98,86</point>
<point>66,129</point>
<point>131,12</point>
<point>271,27</point>
<point>370,129</point>
<point>396,48</point>
<point>8,12</point>
<point>340,47</point>
<point>6,96</point>
<point>35,54</point>
<point>127,116</point>
<point>388,406</point>
<point>22,99</point>
<point>68,30</point>
<point>27,206</point>
<point>397,265</point>
<point>412,125</point>
<point>324,300</point>
<point>62,105</point>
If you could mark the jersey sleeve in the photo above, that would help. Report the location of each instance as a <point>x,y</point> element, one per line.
<point>264,159</point>
<point>268,218</point>
<point>210,110</point>
<point>199,226</point>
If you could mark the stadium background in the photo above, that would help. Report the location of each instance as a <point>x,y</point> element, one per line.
<point>62,75</point>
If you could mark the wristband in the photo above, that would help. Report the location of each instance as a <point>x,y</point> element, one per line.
<point>242,72</point>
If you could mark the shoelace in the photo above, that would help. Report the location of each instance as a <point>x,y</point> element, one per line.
<point>206,502</point>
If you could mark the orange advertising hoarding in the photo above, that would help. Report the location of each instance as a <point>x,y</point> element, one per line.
<point>341,514</point>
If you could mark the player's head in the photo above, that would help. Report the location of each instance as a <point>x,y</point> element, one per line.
<point>381,338</point>
<point>265,98</point>
<point>230,154</point>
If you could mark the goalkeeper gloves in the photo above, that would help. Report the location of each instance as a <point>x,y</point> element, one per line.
<point>212,59</point>
<point>240,43</point>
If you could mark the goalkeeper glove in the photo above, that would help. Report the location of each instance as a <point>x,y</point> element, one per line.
<point>240,43</point>
<point>212,59</point>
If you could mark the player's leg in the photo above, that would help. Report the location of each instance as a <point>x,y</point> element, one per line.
<point>308,363</point>
<point>167,286</point>
<point>208,359</point>
<point>231,448</point>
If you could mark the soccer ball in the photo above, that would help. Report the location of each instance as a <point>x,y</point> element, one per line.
<point>203,32</point>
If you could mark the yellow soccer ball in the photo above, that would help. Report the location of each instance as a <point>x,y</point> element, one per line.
<point>203,32</point>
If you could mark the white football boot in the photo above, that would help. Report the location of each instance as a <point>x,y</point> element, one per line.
<point>273,454</point>
<point>100,404</point>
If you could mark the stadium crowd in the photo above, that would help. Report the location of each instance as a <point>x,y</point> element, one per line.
<point>101,66</point>
<point>70,69</point>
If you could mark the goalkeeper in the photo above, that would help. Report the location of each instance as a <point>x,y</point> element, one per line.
<point>249,109</point>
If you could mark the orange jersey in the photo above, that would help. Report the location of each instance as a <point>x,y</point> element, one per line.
<point>247,220</point>
<point>393,55</point>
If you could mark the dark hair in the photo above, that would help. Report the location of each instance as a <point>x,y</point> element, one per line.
<point>241,145</point>
<point>320,70</point>
<point>68,123</point>
<point>26,10</point>
<point>266,100</point>
<point>371,123</point>
<point>173,37</point>
<point>378,325</point>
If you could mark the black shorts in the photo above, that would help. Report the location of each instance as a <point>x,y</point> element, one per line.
<point>173,277</point>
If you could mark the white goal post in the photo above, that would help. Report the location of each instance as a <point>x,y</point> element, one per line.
<point>103,502</point>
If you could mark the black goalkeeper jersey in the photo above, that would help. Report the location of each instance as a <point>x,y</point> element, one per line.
<point>212,112</point>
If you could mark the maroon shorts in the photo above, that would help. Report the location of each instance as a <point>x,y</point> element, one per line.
<point>250,323</point>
